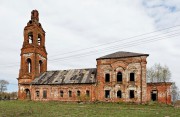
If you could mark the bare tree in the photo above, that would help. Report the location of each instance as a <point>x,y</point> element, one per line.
<point>3,85</point>
<point>151,75</point>
<point>158,73</point>
<point>175,93</point>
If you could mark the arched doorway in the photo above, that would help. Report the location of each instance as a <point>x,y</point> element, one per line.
<point>154,95</point>
<point>28,94</point>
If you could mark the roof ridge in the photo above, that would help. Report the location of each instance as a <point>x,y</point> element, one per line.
<point>70,69</point>
<point>122,54</point>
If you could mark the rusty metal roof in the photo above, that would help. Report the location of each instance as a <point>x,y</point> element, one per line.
<point>72,76</point>
<point>122,54</point>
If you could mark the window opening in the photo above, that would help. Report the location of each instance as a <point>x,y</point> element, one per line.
<point>131,93</point>
<point>28,95</point>
<point>39,39</point>
<point>78,93</point>
<point>40,66</point>
<point>107,93</point>
<point>87,93</point>
<point>70,93</point>
<point>119,95</point>
<point>61,93</point>
<point>37,93</point>
<point>119,77</point>
<point>30,38</point>
<point>107,78</point>
<point>29,65</point>
<point>132,77</point>
<point>45,94</point>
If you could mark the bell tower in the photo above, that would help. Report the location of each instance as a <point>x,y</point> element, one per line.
<point>33,55</point>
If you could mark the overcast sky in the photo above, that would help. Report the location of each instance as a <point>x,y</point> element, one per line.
<point>79,31</point>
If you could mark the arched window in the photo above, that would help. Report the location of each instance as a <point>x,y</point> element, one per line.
<point>87,93</point>
<point>119,95</point>
<point>132,77</point>
<point>107,93</point>
<point>40,66</point>
<point>119,77</point>
<point>30,38</point>
<point>78,93</point>
<point>39,39</point>
<point>29,66</point>
<point>107,77</point>
<point>61,93</point>
<point>70,93</point>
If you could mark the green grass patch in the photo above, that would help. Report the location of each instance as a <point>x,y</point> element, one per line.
<point>65,109</point>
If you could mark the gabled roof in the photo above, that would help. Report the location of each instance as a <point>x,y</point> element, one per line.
<point>122,54</point>
<point>72,76</point>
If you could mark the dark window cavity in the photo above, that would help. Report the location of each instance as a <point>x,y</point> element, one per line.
<point>131,94</point>
<point>61,93</point>
<point>154,94</point>
<point>119,95</point>
<point>119,77</point>
<point>78,93</point>
<point>132,77</point>
<point>107,77</point>
<point>107,93</point>
<point>40,66</point>
<point>87,93</point>
<point>70,93</point>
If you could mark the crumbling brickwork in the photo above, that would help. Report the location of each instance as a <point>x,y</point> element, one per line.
<point>136,65</point>
<point>119,77</point>
<point>33,55</point>
<point>62,92</point>
<point>160,92</point>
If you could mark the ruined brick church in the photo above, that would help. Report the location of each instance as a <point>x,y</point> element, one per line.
<point>119,77</point>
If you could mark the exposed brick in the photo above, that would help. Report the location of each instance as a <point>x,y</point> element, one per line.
<point>126,65</point>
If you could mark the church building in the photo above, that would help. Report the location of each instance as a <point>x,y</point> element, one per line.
<point>118,77</point>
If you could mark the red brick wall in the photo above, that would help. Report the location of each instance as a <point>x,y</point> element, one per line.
<point>53,92</point>
<point>126,66</point>
<point>34,52</point>
<point>163,89</point>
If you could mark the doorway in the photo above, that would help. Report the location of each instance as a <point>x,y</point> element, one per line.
<point>154,96</point>
<point>28,94</point>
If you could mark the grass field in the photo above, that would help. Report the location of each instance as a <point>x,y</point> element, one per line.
<point>60,109</point>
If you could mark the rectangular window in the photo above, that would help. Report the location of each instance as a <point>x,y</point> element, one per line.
<point>37,93</point>
<point>87,93</point>
<point>61,93</point>
<point>44,94</point>
<point>131,94</point>
<point>132,77</point>
<point>70,93</point>
<point>107,78</point>
<point>78,93</point>
<point>107,93</point>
